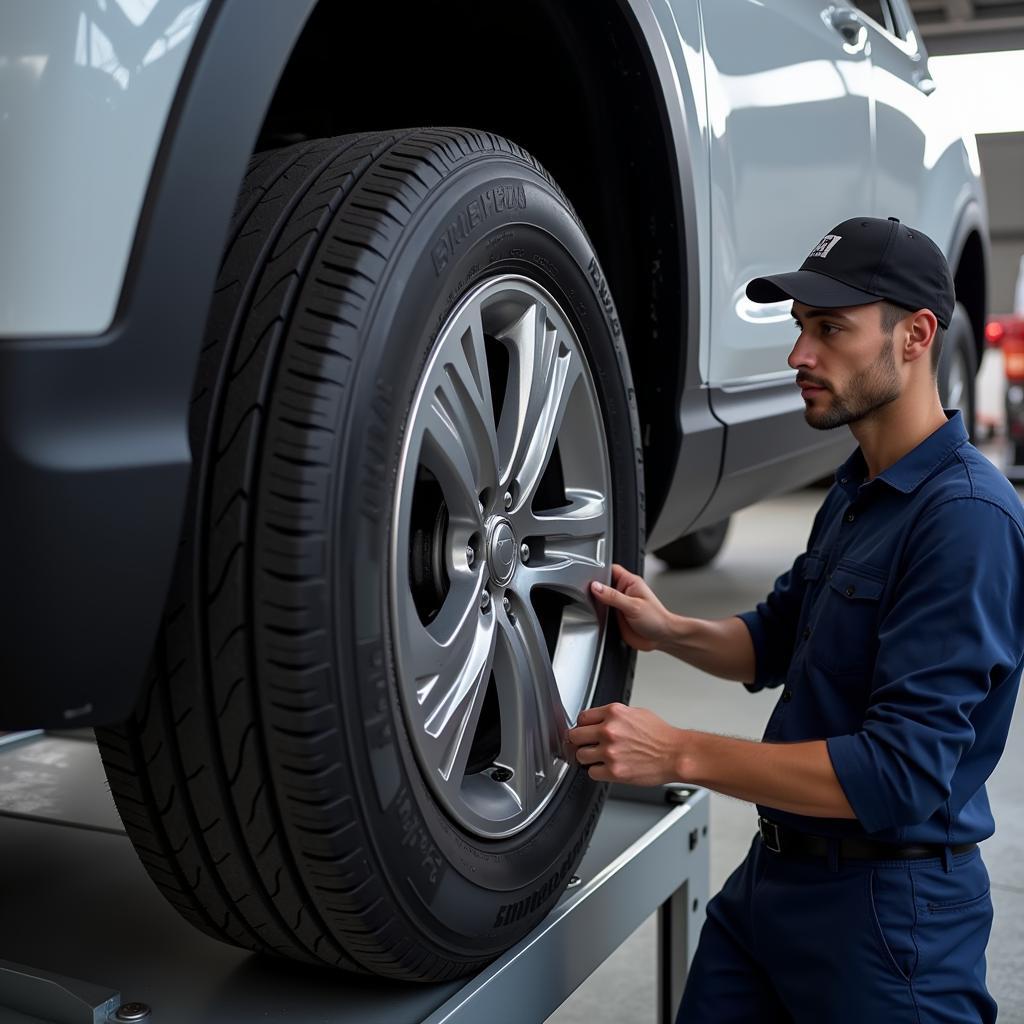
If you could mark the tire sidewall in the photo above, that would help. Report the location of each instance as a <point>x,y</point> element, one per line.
<point>448,879</point>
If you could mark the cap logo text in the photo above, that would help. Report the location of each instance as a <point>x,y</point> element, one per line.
<point>825,246</point>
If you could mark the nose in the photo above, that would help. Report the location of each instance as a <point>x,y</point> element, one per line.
<point>802,354</point>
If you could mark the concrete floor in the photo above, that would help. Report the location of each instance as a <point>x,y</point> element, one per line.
<point>762,543</point>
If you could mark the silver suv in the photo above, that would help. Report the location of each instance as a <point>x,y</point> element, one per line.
<point>317,419</point>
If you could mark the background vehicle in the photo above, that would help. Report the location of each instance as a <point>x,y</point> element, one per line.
<point>1006,332</point>
<point>329,419</point>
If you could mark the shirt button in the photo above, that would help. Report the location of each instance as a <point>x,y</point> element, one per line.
<point>850,518</point>
<point>849,591</point>
<point>786,696</point>
<point>843,480</point>
<point>806,632</point>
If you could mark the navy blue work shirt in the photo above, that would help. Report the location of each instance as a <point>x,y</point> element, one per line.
<point>898,637</point>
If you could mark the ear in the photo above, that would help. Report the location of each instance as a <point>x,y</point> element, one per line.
<point>920,330</point>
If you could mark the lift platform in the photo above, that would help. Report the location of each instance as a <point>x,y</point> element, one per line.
<point>86,938</point>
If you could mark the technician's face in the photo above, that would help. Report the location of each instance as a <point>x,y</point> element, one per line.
<point>845,353</point>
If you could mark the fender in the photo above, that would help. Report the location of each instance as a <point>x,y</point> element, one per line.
<point>701,436</point>
<point>93,431</point>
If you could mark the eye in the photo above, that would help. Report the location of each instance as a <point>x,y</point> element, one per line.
<point>828,330</point>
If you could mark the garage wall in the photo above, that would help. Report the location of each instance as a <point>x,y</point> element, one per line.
<point>1002,167</point>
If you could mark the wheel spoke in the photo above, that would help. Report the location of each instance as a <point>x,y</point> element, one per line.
<point>460,443</point>
<point>533,720</point>
<point>585,515</point>
<point>451,632</point>
<point>573,552</point>
<point>451,705</point>
<point>444,454</point>
<point>476,375</point>
<point>542,376</point>
<point>466,389</point>
<point>542,434</point>
<point>568,571</point>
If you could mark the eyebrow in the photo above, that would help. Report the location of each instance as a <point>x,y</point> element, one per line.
<point>812,313</point>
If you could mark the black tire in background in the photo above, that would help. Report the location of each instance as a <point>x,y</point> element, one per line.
<point>958,367</point>
<point>266,779</point>
<point>695,549</point>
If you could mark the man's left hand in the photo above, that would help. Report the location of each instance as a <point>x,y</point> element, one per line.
<point>624,744</point>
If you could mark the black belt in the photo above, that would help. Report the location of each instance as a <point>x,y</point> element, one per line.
<point>788,841</point>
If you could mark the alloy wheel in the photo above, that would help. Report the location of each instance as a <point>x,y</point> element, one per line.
<point>503,517</point>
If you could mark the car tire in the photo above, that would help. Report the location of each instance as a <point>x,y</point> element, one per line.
<point>283,777</point>
<point>696,549</point>
<point>958,367</point>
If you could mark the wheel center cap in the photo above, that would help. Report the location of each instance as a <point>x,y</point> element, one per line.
<point>501,551</point>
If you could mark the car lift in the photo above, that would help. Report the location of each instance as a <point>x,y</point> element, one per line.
<point>75,899</point>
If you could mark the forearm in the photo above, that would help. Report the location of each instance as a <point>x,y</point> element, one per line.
<point>721,647</point>
<point>794,777</point>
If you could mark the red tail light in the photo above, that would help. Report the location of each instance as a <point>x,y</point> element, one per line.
<point>994,333</point>
<point>1013,357</point>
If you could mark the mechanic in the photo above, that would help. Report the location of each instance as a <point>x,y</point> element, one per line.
<point>897,641</point>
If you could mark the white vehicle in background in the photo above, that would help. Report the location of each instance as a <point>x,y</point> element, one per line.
<point>317,419</point>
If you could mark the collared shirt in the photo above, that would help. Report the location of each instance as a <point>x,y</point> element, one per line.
<point>898,637</point>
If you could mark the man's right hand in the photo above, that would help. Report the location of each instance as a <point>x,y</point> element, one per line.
<point>644,621</point>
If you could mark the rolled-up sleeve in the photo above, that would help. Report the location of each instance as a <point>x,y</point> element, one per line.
<point>951,635</point>
<point>773,622</point>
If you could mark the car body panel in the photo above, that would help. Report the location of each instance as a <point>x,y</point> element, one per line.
<point>927,169</point>
<point>673,33</point>
<point>921,168</point>
<point>791,155</point>
<point>93,432</point>
<point>101,78</point>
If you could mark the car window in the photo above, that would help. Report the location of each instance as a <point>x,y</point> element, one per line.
<point>902,19</point>
<point>876,9</point>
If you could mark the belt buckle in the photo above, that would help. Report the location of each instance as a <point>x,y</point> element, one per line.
<point>769,834</point>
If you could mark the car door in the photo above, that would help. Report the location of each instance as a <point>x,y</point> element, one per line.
<point>919,145</point>
<point>900,87</point>
<point>790,156</point>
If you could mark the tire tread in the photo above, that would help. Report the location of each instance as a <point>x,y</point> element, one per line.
<point>226,787</point>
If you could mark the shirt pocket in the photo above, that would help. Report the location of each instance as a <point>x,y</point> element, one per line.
<point>844,622</point>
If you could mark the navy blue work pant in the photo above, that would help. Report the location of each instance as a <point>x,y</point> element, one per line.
<point>803,941</point>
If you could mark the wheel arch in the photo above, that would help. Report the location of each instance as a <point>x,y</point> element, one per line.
<point>577,85</point>
<point>970,279</point>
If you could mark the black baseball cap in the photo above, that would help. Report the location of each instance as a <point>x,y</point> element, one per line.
<point>867,259</point>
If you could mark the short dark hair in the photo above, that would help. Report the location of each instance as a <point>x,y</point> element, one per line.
<point>893,314</point>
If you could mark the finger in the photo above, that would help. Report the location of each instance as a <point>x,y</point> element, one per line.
<point>582,737</point>
<point>592,716</point>
<point>599,773</point>
<point>621,576</point>
<point>589,755</point>
<point>610,596</point>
